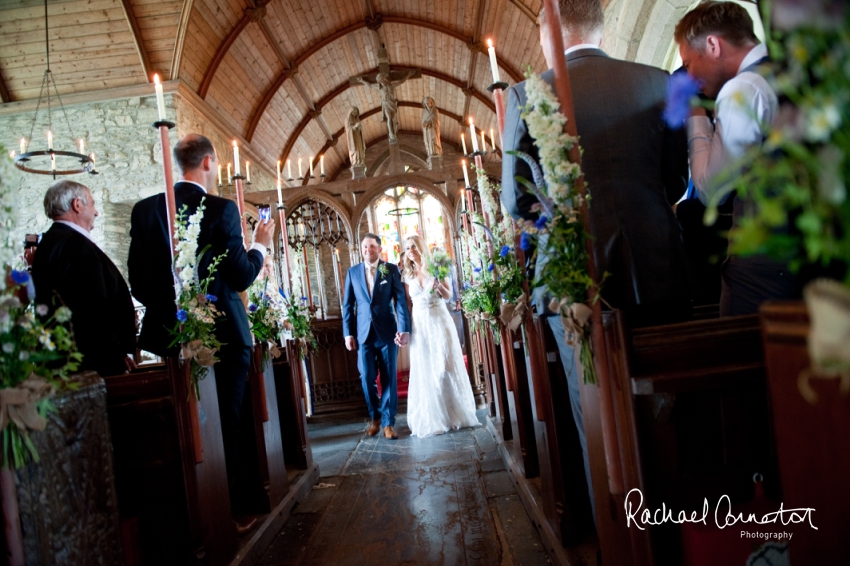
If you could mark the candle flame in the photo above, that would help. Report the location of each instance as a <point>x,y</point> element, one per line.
<point>470,122</point>
<point>489,43</point>
<point>155,79</point>
<point>234,143</point>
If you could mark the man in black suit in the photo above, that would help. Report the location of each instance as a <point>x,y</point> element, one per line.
<point>71,269</point>
<point>152,280</point>
<point>635,168</point>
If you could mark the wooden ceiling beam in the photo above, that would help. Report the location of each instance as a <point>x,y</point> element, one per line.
<point>220,53</point>
<point>130,16</point>
<point>346,85</point>
<point>177,54</point>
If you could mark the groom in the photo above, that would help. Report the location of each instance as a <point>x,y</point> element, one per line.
<point>370,289</point>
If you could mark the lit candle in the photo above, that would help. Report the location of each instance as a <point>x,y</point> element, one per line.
<point>279,194</point>
<point>160,101</point>
<point>278,170</point>
<point>322,163</point>
<point>92,161</point>
<point>483,142</point>
<point>24,145</point>
<point>472,136</point>
<point>300,174</point>
<point>219,175</point>
<point>53,161</point>
<point>462,200</point>
<point>248,171</point>
<point>49,139</point>
<point>311,166</point>
<point>289,169</point>
<point>492,143</point>
<point>82,146</point>
<point>236,168</point>
<point>465,173</point>
<point>336,254</point>
<point>12,154</point>
<point>494,67</point>
<point>463,142</point>
<point>229,176</point>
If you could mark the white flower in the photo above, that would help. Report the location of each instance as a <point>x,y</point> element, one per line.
<point>9,347</point>
<point>41,310</point>
<point>823,120</point>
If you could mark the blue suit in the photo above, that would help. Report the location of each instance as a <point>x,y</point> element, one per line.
<point>375,328</point>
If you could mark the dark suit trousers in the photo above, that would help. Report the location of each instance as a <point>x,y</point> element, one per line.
<point>231,376</point>
<point>373,357</point>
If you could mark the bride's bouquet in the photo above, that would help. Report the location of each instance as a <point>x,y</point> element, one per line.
<point>439,265</point>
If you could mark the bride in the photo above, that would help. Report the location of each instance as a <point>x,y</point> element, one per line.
<point>439,397</point>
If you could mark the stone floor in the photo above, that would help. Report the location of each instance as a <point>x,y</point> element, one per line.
<point>445,500</point>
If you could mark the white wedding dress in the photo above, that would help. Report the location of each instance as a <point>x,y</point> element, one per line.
<point>439,394</point>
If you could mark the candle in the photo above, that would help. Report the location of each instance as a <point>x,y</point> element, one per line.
<point>236,168</point>
<point>219,175</point>
<point>12,154</point>
<point>24,145</point>
<point>465,173</point>
<point>289,169</point>
<point>336,254</point>
<point>49,139</point>
<point>278,170</point>
<point>311,166</point>
<point>463,142</point>
<point>462,201</point>
<point>472,136</point>
<point>492,143</point>
<point>494,67</point>
<point>53,161</point>
<point>160,101</point>
<point>279,193</point>
<point>92,161</point>
<point>82,146</point>
<point>248,171</point>
<point>483,142</point>
<point>322,162</point>
<point>300,174</point>
<point>229,176</point>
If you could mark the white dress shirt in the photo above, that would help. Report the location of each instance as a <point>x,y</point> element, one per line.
<point>76,227</point>
<point>254,246</point>
<point>745,107</point>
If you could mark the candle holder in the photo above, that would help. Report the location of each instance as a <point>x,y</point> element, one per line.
<point>290,180</point>
<point>85,162</point>
<point>498,86</point>
<point>166,123</point>
<point>240,177</point>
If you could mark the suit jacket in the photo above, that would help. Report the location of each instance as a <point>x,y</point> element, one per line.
<point>375,311</point>
<point>73,267</point>
<point>151,278</point>
<point>635,168</point>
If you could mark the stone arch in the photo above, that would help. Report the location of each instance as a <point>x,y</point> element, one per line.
<point>326,199</point>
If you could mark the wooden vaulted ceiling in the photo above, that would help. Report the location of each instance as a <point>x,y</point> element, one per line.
<point>276,71</point>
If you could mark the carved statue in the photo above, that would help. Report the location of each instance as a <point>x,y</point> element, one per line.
<point>389,103</point>
<point>354,133</point>
<point>431,127</point>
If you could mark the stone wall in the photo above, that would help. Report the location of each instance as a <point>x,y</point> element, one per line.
<point>128,158</point>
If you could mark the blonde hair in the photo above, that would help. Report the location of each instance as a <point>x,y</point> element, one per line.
<point>422,248</point>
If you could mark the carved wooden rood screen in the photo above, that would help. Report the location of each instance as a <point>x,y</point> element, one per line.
<point>320,244</point>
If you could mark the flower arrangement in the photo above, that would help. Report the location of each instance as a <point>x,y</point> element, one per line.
<point>37,353</point>
<point>298,319</point>
<point>439,265</point>
<point>196,312</point>
<point>383,270</point>
<point>558,231</point>
<point>267,314</point>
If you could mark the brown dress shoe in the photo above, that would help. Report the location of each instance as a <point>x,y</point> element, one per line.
<point>390,433</point>
<point>373,428</point>
<point>245,526</point>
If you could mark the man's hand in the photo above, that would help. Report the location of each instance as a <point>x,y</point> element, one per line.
<point>264,233</point>
<point>350,343</point>
<point>402,338</point>
<point>129,363</point>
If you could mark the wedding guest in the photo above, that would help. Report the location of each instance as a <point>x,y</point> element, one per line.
<point>636,168</point>
<point>70,269</point>
<point>152,281</point>
<point>720,49</point>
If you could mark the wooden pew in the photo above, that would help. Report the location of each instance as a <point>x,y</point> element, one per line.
<point>293,418</point>
<point>519,404</point>
<point>811,439</point>
<point>692,421</point>
<point>183,505</point>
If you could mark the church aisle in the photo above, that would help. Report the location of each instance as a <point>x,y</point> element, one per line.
<point>444,500</point>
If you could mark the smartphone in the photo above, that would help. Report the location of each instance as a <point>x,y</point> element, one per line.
<point>265,213</point>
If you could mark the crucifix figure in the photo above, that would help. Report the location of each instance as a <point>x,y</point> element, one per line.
<point>385,81</point>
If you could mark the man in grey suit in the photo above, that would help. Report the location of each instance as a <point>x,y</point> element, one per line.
<point>635,169</point>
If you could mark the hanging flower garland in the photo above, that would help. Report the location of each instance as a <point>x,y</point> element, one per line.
<point>558,232</point>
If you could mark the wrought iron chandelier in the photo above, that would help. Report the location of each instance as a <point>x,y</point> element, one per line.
<point>51,161</point>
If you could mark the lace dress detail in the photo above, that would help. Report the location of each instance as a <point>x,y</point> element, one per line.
<point>439,394</point>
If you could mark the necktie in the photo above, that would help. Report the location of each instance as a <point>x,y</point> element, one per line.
<point>371,280</point>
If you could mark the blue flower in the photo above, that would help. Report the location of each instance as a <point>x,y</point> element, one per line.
<point>212,298</point>
<point>525,242</point>
<point>303,298</point>
<point>182,315</point>
<point>681,89</point>
<point>476,269</point>
<point>504,251</point>
<point>252,307</point>
<point>280,290</point>
<point>20,277</point>
<point>465,286</point>
<point>541,222</point>
<point>491,267</point>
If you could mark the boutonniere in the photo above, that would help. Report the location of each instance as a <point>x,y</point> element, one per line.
<point>383,270</point>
